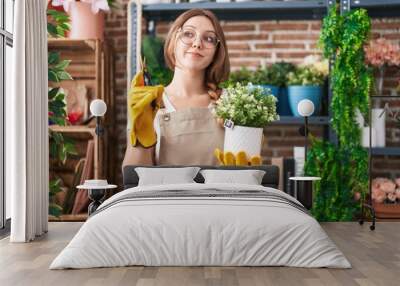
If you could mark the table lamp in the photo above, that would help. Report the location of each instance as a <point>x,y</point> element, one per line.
<point>305,108</point>
<point>98,108</point>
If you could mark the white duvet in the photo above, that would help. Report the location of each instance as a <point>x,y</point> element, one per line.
<point>200,231</point>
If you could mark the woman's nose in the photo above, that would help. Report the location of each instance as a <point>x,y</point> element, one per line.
<point>197,42</point>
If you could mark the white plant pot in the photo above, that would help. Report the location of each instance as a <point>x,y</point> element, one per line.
<point>365,137</point>
<point>379,124</point>
<point>299,160</point>
<point>242,138</point>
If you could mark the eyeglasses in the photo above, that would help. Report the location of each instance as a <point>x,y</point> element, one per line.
<point>188,36</point>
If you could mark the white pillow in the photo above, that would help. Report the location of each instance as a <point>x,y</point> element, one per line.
<point>249,177</point>
<point>163,176</point>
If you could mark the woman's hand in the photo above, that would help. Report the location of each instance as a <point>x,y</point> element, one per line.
<point>143,103</point>
<point>240,159</point>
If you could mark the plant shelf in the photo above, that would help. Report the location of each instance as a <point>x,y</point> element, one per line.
<point>251,10</point>
<point>312,120</point>
<point>385,151</point>
<point>269,10</point>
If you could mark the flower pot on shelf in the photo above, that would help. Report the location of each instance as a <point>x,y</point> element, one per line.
<point>283,102</point>
<point>384,210</point>
<point>274,91</point>
<point>296,93</point>
<point>243,138</point>
<point>84,23</point>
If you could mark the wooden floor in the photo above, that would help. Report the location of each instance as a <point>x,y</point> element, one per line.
<point>375,257</point>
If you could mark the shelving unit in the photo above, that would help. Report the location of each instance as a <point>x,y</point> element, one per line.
<point>91,66</point>
<point>238,11</point>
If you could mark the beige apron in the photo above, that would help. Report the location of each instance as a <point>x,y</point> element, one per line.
<point>189,137</point>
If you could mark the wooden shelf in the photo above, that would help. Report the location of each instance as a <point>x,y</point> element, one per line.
<point>73,129</point>
<point>69,217</point>
<point>76,44</point>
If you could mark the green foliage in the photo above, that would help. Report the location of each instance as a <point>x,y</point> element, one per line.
<point>275,74</point>
<point>343,167</point>
<point>264,76</point>
<point>247,105</point>
<point>305,75</point>
<point>153,52</point>
<point>242,76</point>
<point>59,146</point>
<point>54,188</point>
<point>281,71</point>
<point>343,172</point>
<point>58,23</point>
<point>57,68</point>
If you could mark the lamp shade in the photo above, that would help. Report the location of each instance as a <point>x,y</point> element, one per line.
<point>98,107</point>
<point>305,107</point>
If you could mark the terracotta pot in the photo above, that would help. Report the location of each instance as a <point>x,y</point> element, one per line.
<point>387,210</point>
<point>84,23</point>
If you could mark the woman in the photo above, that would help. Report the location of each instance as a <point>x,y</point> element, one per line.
<point>187,131</point>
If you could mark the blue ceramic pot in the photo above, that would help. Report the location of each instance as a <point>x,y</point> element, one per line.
<point>296,93</point>
<point>274,91</point>
<point>283,103</point>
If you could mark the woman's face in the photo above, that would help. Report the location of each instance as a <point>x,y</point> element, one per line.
<point>195,44</point>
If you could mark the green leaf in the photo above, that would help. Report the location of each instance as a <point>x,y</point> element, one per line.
<point>52,76</point>
<point>53,92</point>
<point>64,76</point>
<point>62,65</point>
<point>55,210</point>
<point>51,29</point>
<point>54,57</point>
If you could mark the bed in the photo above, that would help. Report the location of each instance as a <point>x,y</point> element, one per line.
<point>201,224</point>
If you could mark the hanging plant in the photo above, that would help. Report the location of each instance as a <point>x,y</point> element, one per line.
<point>343,168</point>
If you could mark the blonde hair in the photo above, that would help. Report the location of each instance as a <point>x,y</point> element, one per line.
<point>218,70</point>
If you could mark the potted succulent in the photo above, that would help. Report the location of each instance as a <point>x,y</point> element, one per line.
<point>246,110</point>
<point>87,17</point>
<point>306,83</point>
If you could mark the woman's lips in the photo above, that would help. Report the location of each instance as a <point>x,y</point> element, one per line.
<point>196,55</point>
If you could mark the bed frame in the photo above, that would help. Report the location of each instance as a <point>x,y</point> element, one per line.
<point>270,179</point>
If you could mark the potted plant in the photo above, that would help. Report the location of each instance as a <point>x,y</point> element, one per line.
<point>385,195</point>
<point>280,70</point>
<point>243,76</point>
<point>306,83</point>
<point>246,109</point>
<point>87,17</point>
<point>266,79</point>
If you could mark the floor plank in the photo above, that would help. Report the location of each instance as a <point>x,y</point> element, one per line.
<point>375,257</point>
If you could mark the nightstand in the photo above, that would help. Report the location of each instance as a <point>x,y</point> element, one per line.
<point>96,193</point>
<point>303,190</point>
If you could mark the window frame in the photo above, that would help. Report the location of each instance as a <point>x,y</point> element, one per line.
<point>6,39</point>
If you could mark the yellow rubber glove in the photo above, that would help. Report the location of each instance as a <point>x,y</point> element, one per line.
<point>240,159</point>
<point>142,112</point>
